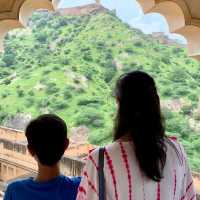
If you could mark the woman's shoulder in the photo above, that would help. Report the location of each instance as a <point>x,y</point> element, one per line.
<point>174,142</point>
<point>174,147</point>
<point>94,153</point>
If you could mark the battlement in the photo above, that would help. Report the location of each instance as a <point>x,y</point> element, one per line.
<point>82,10</point>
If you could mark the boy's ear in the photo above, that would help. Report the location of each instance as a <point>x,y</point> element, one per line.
<point>30,150</point>
<point>66,143</point>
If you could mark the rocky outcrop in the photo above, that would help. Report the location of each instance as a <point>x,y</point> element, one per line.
<point>18,122</point>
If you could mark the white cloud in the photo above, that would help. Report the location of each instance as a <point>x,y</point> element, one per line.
<point>150,23</point>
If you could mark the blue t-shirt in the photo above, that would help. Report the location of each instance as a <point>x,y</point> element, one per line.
<point>60,188</point>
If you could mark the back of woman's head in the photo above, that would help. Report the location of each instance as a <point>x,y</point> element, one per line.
<point>139,116</point>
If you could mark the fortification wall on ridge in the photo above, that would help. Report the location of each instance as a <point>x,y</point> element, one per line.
<point>81,10</point>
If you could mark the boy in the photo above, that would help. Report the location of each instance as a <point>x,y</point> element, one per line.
<point>47,142</point>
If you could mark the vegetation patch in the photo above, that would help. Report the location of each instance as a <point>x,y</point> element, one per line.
<point>69,66</point>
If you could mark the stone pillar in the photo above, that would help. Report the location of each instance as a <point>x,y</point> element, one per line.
<point>191,33</point>
<point>30,6</point>
<point>55,3</point>
<point>98,1</point>
<point>5,26</point>
<point>172,13</point>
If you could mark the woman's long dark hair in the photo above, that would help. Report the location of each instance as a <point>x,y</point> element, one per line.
<point>139,115</point>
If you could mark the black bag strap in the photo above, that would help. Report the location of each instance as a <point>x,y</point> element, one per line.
<point>101,174</point>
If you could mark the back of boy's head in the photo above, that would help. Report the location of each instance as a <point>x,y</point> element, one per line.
<point>47,138</point>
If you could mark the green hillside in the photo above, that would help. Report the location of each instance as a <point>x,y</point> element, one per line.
<point>68,66</point>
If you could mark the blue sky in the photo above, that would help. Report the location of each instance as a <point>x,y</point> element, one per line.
<point>130,12</point>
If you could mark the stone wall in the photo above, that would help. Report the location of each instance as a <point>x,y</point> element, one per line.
<point>15,137</point>
<point>18,154</point>
<point>82,10</point>
<point>16,161</point>
<point>11,134</point>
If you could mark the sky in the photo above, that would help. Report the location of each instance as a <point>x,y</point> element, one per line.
<point>130,12</point>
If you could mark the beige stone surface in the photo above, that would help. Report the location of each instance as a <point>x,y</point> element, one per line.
<point>10,9</point>
<point>15,160</point>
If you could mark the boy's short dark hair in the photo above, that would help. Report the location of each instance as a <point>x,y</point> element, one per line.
<point>47,136</point>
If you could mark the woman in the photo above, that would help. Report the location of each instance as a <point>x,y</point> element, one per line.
<point>142,163</point>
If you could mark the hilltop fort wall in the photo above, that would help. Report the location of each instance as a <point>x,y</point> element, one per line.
<point>82,10</point>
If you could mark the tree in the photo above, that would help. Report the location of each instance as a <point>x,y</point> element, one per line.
<point>90,117</point>
<point>9,59</point>
<point>178,74</point>
<point>67,93</point>
<point>51,88</point>
<point>41,37</point>
<point>109,74</point>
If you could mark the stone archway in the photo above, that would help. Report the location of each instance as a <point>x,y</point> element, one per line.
<point>183,18</point>
<point>15,13</point>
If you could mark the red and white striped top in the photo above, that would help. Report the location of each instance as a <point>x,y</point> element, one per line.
<point>125,181</point>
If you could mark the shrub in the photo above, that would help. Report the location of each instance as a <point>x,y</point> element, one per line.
<point>63,22</point>
<point>3,116</point>
<point>29,102</point>
<point>59,105</point>
<point>138,44</point>
<point>65,61</point>
<point>77,81</point>
<point>4,95</point>
<point>181,91</point>
<point>109,74</point>
<point>85,49</point>
<point>129,50</point>
<point>51,88</point>
<point>7,81</point>
<point>31,93</point>
<point>193,97</point>
<point>45,102</point>
<point>47,71</point>
<point>109,55</point>
<point>4,74</point>
<point>26,75</point>
<point>166,60</point>
<point>187,109</point>
<point>20,93</point>
<point>90,117</point>
<point>2,64</point>
<point>56,68</point>
<point>178,125</point>
<point>167,91</point>
<point>67,93</point>
<point>178,50</point>
<point>41,37</point>
<point>89,73</point>
<point>87,57</point>
<point>28,66</point>
<point>86,102</point>
<point>67,51</point>
<point>9,59</point>
<point>100,45</point>
<point>178,75</point>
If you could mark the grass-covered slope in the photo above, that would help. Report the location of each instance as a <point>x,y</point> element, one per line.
<point>68,66</point>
